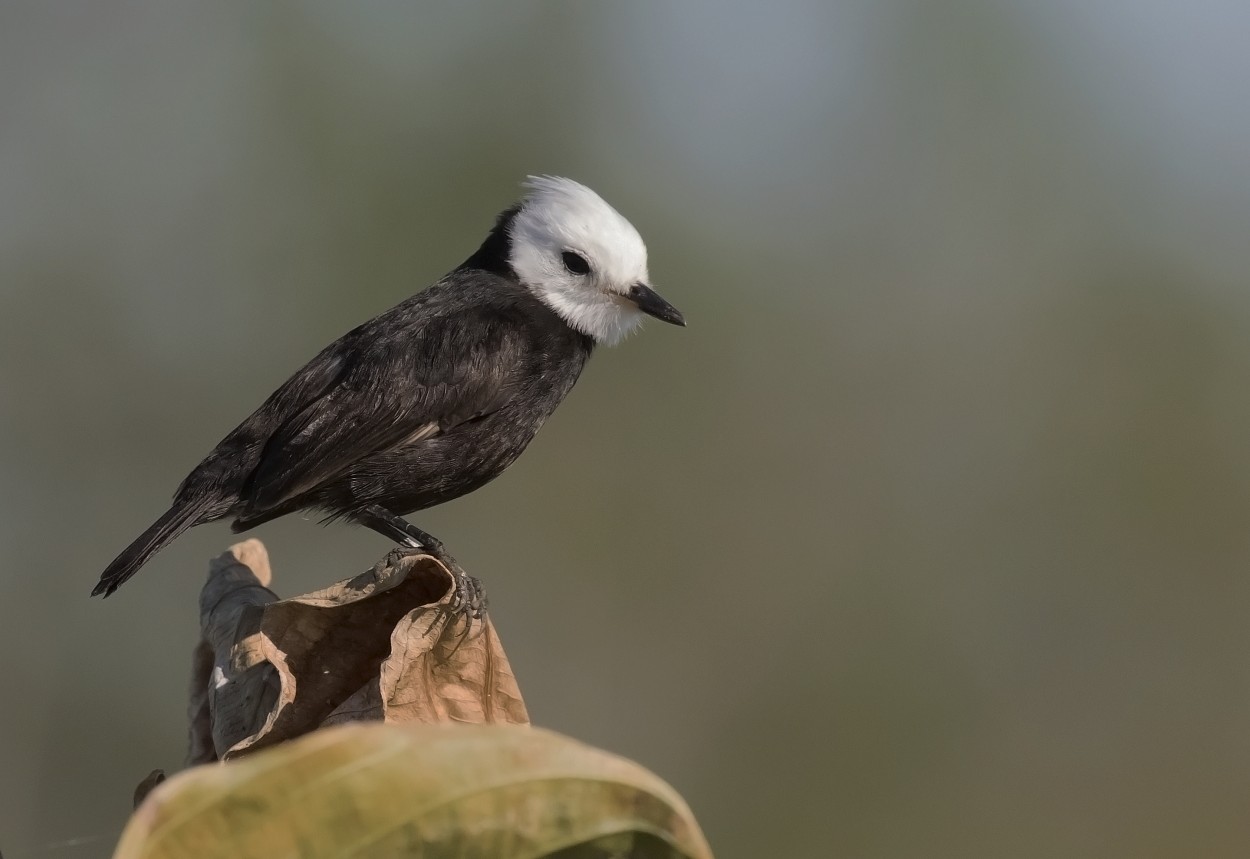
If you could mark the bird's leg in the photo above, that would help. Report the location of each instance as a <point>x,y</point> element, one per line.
<point>397,528</point>
<point>469,595</point>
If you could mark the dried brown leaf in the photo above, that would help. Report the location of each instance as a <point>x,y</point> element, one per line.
<point>383,646</point>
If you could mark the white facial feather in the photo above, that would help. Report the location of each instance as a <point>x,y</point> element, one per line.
<point>560,215</point>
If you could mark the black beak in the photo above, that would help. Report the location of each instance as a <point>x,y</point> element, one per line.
<point>650,303</point>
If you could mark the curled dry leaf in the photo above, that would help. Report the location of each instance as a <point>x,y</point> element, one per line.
<point>383,646</point>
<point>417,790</point>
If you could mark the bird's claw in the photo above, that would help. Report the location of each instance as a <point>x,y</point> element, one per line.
<point>468,596</point>
<point>468,601</point>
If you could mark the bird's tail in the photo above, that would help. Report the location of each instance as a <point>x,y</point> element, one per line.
<point>177,519</point>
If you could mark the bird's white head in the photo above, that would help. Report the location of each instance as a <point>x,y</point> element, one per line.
<point>584,260</point>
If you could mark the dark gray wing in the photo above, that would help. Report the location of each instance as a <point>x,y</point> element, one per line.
<point>396,387</point>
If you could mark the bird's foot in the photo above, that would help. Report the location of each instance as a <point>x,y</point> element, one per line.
<point>468,597</point>
<point>467,604</point>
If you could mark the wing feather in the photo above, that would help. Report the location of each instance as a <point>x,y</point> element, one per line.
<point>394,391</point>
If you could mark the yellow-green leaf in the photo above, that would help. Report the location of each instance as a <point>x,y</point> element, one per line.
<point>499,791</point>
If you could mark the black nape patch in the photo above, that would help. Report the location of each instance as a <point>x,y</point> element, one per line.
<point>493,255</point>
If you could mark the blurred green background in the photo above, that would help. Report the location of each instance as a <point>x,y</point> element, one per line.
<point>926,538</point>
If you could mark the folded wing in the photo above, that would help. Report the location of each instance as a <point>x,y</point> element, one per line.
<point>391,392</point>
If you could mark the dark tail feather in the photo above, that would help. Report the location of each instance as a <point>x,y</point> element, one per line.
<point>179,518</point>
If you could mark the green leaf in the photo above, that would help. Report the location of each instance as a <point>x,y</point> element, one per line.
<point>417,790</point>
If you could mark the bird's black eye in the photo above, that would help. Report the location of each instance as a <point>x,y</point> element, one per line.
<point>575,263</point>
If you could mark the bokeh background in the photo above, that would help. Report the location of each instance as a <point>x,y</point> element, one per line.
<point>928,537</point>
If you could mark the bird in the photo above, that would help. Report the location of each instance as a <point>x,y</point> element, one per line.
<point>436,396</point>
